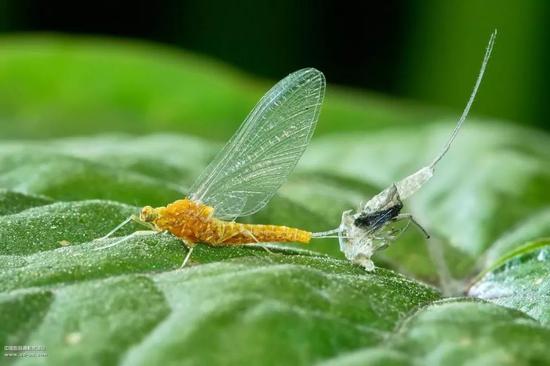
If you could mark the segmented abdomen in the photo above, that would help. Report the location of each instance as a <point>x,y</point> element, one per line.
<point>237,233</point>
<point>194,223</point>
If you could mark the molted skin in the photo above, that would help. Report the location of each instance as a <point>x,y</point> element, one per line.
<point>194,223</point>
<point>378,219</point>
<point>359,238</point>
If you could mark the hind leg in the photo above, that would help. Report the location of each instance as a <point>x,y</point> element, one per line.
<point>411,219</point>
<point>243,232</point>
<point>190,246</point>
<point>250,235</point>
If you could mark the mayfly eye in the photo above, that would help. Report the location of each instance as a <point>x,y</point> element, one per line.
<point>147,214</point>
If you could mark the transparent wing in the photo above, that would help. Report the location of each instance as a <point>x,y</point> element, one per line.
<point>265,149</point>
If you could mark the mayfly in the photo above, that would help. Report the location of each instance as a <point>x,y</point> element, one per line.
<point>373,227</point>
<point>247,172</point>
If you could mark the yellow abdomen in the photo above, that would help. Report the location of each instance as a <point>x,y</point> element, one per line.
<point>193,222</point>
<point>236,233</point>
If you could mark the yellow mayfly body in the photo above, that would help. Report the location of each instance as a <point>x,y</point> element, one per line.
<point>247,172</point>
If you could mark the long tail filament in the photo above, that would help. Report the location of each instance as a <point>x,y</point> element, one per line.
<point>470,101</point>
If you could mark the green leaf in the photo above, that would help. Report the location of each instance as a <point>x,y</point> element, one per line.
<point>486,209</point>
<point>12,202</point>
<point>132,299</point>
<point>459,332</point>
<point>520,281</point>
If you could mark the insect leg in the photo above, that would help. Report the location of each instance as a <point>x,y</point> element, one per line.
<point>410,217</point>
<point>190,246</point>
<point>249,234</point>
<point>118,227</point>
<point>394,233</point>
<point>134,218</point>
<point>245,232</point>
<point>128,237</point>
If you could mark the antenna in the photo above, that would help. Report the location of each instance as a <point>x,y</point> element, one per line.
<point>470,101</point>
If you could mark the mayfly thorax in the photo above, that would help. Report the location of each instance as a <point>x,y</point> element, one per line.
<point>373,226</point>
<point>247,172</point>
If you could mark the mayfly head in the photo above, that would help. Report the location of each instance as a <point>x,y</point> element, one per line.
<point>148,214</point>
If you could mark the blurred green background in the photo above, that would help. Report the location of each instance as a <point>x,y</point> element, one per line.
<point>420,50</point>
<point>106,123</point>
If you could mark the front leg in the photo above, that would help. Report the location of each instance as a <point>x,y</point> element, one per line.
<point>128,237</point>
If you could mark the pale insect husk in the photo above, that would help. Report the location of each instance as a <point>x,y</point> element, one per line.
<point>359,244</point>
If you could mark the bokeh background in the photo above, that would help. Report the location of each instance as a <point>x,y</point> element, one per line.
<point>108,106</point>
<point>428,51</point>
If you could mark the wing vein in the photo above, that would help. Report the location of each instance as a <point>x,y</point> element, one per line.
<point>265,149</point>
